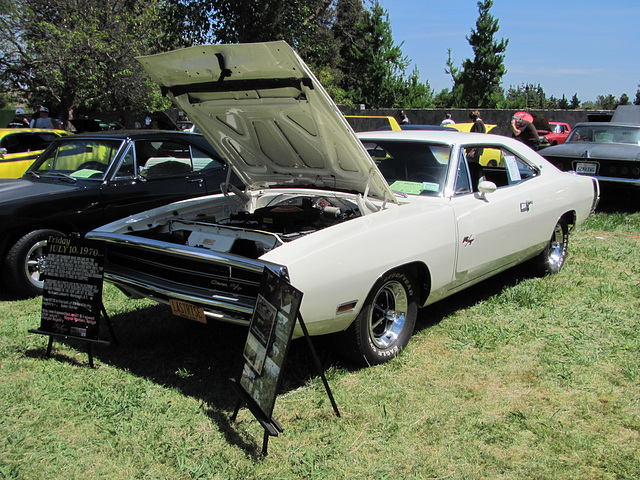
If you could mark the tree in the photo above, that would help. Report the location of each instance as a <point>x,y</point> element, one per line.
<point>79,54</point>
<point>563,103</point>
<point>624,99</point>
<point>606,102</point>
<point>478,83</point>
<point>575,101</point>
<point>374,65</point>
<point>637,100</point>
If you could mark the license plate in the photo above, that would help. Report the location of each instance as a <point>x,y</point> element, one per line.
<point>586,168</point>
<point>187,310</point>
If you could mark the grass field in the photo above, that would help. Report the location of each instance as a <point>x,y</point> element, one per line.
<point>516,378</point>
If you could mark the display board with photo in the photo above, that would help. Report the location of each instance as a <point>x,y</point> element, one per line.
<point>268,340</point>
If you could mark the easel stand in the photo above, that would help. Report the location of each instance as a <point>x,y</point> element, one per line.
<point>90,342</point>
<point>271,427</point>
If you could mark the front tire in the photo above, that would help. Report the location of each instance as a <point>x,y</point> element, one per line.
<point>552,258</point>
<point>386,322</point>
<point>24,265</point>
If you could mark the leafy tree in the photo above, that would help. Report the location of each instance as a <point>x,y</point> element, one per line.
<point>575,101</point>
<point>606,102</point>
<point>624,99</point>
<point>637,100</point>
<point>79,54</point>
<point>373,65</point>
<point>563,103</point>
<point>478,83</point>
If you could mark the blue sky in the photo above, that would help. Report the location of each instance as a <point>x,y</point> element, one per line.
<point>588,47</point>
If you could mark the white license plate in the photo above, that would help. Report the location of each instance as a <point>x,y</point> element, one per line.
<point>586,168</point>
<point>187,310</point>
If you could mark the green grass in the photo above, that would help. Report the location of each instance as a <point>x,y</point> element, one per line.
<point>517,378</point>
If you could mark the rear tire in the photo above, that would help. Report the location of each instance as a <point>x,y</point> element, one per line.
<point>24,265</point>
<point>386,322</point>
<point>551,260</point>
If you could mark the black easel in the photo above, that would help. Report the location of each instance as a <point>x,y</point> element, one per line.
<point>271,427</point>
<point>89,341</point>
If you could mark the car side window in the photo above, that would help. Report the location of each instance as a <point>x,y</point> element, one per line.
<point>202,160</point>
<point>24,142</point>
<point>127,168</point>
<point>162,158</point>
<point>463,179</point>
<point>498,165</point>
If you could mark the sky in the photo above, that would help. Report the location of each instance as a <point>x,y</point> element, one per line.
<point>587,47</point>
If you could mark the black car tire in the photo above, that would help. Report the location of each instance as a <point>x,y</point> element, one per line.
<point>551,260</point>
<point>386,322</point>
<point>24,264</point>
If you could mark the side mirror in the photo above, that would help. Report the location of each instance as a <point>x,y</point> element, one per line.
<point>486,187</point>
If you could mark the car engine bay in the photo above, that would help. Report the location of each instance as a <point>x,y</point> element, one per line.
<point>253,233</point>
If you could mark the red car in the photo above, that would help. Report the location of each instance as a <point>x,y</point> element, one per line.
<point>557,136</point>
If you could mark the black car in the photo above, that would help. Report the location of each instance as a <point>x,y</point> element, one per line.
<point>83,181</point>
<point>607,151</point>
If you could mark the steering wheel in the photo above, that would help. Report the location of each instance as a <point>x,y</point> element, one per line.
<point>93,165</point>
<point>424,177</point>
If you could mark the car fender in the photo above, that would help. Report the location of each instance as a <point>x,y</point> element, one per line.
<point>340,265</point>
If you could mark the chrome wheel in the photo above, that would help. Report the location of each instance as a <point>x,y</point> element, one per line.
<point>557,248</point>
<point>552,258</point>
<point>388,313</point>
<point>385,324</point>
<point>35,262</point>
<point>24,265</point>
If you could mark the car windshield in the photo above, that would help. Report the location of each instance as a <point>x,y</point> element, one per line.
<point>78,158</point>
<point>417,168</point>
<point>605,134</point>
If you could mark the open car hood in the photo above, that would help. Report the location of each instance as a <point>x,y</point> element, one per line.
<point>265,112</point>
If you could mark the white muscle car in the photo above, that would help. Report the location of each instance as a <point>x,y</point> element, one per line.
<point>369,227</point>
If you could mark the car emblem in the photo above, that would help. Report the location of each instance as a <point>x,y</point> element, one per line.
<point>468,240</point>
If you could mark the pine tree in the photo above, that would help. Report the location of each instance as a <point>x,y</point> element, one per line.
<point>478,83</point>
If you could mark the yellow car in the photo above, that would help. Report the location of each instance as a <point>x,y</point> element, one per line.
<point>372,122</point>
<point>19,147</point>
<point>488,157</point>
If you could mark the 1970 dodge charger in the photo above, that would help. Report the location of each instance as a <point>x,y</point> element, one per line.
<point>369,227</point>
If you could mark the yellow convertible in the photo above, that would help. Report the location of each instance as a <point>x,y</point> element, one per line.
<point>19,147</point>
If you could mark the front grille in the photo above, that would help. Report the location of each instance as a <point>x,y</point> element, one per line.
<point>199,277</point>
<point>604,168</point>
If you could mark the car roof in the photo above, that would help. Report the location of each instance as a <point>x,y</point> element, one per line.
<point>606,124</point>
<point>142,134</point>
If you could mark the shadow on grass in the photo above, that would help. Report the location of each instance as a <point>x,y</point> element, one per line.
<point>199,359</point>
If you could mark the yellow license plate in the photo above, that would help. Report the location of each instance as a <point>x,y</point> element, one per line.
<point>187,310</point>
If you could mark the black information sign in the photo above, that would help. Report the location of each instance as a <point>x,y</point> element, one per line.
<point>72,294</point>
<point>268,340</point>
<point>275,315</point>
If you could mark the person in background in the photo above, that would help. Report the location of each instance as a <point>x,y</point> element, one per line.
<point>478,124</point>
<point>19,120</point>
<point>404,120</point>
<point>526,132</point>
<point>44,121</point>
<point>447,120</point>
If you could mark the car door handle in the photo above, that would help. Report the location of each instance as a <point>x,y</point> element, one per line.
<point>524,206</point>
<point>195,180</point>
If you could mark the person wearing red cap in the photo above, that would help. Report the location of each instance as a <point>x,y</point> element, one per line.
<point>525,131</point>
